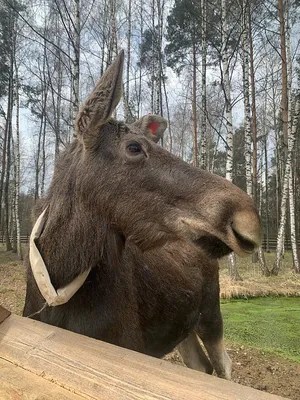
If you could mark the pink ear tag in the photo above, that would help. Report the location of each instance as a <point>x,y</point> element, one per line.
<point>153,126</point>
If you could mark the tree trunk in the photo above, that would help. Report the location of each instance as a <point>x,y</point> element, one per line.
<point>285,189</point>
<point>7,178</point>
<point>58,101</point>
<point>153,57</point>
<point>159,107</point>
<point>3,171</point>
<point>8,129</point>
<point>267,234</point>
<point>203,157</point>
<point>76,49</point>
<point>17,168</point>
<point>284,75</point>
<point>226,89</point>
<point>168,111</point>
<point>194,108</point>
<point>233,272</point>
<point>254,119</point>
<point>247,121</point>
<point>140,55</point>
<point>255,257</point>
<point>291,183</point>
<point>126,97</point>
<point>296,266</point>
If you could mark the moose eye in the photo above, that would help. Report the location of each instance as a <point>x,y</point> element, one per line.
<point>134,148</point>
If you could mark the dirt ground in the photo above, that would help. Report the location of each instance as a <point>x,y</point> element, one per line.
<point>265,372</point>
<point>262,371</point>
<point>251,367</point>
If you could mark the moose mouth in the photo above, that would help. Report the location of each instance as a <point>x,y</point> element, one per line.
<point>213,246</point>
<point>245,244</point>
<point>217,248</point>
<point>241,234</point>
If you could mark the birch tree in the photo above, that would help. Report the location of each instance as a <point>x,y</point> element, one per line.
<point>233,272</point>
<point>203,153</point>
<point>126,97</point>
<point>17,167</point>
<point>246,93</point>
<point>285,189</point>
<point>289,129</point>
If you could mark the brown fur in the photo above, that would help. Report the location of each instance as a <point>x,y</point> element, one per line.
<point>150,226</point>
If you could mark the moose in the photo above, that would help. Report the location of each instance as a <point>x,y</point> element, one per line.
<point>145,230</point>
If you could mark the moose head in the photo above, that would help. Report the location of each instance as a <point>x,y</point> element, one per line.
<point>147,194</point>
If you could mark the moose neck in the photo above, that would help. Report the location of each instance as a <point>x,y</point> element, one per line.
<point>72,242</point>
<point>76,238</point>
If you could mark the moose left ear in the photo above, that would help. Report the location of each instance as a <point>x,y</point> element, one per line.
<point>151,126</point>
<point>99,106</point>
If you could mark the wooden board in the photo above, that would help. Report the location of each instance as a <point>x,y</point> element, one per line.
<point>4,313</point>
<point>17,384</point>
<point>98,370</point>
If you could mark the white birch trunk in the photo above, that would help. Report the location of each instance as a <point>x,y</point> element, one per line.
<point>203,155</point>
<point>194,108</point>
<point>140,69</point>
<point>233,272</point>
<point>158,109</point>
<point>265,134</point>
<point>58,100</point>
<point>13,225</point>
<point>285,188</point>
<point>247,124</point>
<point>126,99</point>
<point>226,88</point>
<point>113,43</point>
<point>291,133</point>
<point>293,223</point>
<point>291,186</point>
<point>76,49</point>
<point>17,168</point>
<point>153,58</point>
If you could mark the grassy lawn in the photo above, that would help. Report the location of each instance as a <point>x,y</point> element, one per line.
<point>12,282</point>
<point>270,324</point>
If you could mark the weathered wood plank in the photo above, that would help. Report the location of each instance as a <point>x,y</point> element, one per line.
<point>98,370</point>
<point>17,384</point>
<point>4,313</point>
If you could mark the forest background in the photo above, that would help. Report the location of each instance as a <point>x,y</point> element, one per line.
<point>224,73</point>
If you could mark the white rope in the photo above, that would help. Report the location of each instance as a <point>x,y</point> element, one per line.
<point>41,275</point>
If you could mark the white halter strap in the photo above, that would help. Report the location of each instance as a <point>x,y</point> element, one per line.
<point>41,275</point>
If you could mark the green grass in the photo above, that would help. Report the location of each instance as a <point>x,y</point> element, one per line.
<point>269,324</point>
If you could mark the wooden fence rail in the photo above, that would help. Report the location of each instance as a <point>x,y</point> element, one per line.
<point>272,242</point>
<point>39,361</point>
<point>24,239</point>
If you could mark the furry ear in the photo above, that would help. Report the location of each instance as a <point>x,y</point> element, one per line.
<point>152,126</point>
<point>100,104</point>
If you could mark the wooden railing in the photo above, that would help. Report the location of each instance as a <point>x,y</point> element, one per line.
<point>272,242</point>
<point>24,238</point>
<point>43,361</point>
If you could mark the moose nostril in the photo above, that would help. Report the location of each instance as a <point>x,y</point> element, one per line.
<point>247,229</point>
<point>246,244</point>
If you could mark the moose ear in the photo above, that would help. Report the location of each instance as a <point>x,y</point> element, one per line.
<point>99,106</point>
<point>151,126</point>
